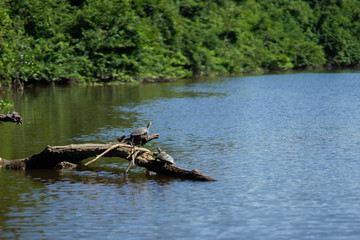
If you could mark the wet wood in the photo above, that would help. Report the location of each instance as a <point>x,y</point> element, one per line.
<point>55,156</point>
<point>141,140</point>
<point>11,116</point>
<point>103,154</point>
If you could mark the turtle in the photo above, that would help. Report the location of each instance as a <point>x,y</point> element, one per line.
<point>140,131</point>
<point>164,157</point>
<point>137,136</point>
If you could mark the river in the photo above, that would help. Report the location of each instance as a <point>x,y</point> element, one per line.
<point>285,149</point>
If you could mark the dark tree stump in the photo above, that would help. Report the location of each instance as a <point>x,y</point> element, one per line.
<point>11,117</point>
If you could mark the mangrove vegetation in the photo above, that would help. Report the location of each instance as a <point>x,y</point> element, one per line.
<point>146,40</point>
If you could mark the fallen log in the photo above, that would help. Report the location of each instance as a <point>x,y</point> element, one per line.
<point>53,156</point>
<point>11,116</point>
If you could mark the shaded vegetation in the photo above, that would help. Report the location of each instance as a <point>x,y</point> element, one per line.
<point>136,40</point>
<point>5,105</point>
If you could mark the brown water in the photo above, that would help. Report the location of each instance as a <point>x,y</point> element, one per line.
<point>285,149</point>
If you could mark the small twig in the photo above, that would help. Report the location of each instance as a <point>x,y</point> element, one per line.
<point>133,155</point>
<point>132,151</point>
<point>132,161</point>
<point>105,152</point>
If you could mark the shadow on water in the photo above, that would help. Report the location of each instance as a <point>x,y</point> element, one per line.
<point>23,190</point>
<point>99,175</point>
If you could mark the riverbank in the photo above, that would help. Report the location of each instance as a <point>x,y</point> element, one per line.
<point>134,41</point>
<point>327,68</point>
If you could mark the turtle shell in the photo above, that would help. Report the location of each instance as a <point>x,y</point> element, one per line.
<point>166,158</point>
<point>139,132</point>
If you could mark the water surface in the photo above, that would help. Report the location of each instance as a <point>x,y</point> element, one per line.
<point>284,148</point>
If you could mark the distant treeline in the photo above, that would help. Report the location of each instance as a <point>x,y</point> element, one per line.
<point>136,40</point>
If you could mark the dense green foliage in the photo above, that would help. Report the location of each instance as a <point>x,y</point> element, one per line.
<point>125,40</point>
<point>5,105</point>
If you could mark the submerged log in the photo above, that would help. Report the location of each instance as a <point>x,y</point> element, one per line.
<point>11,116</point>
<point>53,156</point>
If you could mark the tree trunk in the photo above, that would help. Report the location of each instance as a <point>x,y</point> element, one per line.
<point>52,156</point>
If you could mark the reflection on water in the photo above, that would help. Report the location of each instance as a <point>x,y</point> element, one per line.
<point>284,148</point>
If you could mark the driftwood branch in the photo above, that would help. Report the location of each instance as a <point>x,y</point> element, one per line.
<point>141,140</point>
<point>11,117</point>
<point>52,156</point>
<point>101,155</point>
